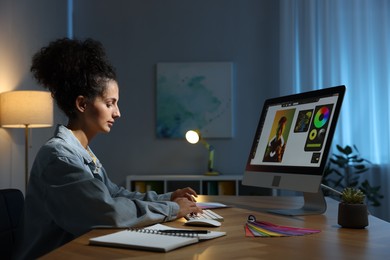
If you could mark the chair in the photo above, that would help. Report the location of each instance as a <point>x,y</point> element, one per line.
<point>11,207</point>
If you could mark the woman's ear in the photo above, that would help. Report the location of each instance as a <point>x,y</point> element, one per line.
<point>81,103</point>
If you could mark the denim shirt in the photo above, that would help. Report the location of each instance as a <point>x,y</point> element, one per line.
<point>64,200</point>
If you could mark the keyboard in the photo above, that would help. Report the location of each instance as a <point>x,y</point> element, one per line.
<point>207,214</point>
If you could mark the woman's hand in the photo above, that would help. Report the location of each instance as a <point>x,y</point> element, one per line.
<point>187,193</point>
<point>186,207</point>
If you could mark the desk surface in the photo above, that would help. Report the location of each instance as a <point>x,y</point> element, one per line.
<point>332,242</point>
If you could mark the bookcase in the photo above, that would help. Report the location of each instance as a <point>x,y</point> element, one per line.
<point>202,184</point>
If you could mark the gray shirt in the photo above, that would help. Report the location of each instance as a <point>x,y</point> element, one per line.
<point>69,194</point>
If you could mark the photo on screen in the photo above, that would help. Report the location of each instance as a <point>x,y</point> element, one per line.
<point>279,135</point>
<point>303,121</point>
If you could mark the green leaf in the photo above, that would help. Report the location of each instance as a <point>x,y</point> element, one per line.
<point>348,150</point>
<point>341,149</point>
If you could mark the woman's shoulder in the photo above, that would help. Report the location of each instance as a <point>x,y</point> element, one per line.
<point>61,142</point>
<point>59,147</point>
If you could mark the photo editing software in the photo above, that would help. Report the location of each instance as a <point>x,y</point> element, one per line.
<point>294,133</point>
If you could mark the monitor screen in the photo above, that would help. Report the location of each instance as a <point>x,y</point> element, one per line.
<point>292,141</point>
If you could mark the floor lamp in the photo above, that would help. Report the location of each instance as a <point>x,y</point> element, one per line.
<point>26,109</point>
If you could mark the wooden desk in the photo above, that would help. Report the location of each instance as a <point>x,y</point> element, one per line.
<point>332,242</point>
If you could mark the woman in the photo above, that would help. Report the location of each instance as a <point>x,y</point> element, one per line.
<point>69,192</point>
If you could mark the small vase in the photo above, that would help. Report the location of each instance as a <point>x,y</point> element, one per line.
<point>352,215</point>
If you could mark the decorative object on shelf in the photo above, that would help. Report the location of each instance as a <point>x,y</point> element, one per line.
<point>26,109</point>
<point>353,213</point>
<point>193,137</point>
<point>346,169</point>
<point>194,95</point>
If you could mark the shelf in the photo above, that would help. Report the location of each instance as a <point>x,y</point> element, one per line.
<point>202,184</point>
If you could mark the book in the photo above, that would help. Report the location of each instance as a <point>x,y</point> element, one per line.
<point>226,188</point>
<point>153,238</point>
<point>212,188</point>
<point>140,186</point>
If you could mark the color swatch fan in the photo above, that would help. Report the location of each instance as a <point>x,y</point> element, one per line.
<point>255,228</point>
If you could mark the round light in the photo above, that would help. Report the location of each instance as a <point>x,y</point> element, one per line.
<point>192,137</point>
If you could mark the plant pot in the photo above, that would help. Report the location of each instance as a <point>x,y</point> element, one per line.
<point>352,215</point>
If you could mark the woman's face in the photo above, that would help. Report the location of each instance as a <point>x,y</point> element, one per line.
<point>102,112</point>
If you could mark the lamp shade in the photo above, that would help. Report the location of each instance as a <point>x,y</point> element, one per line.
<point>19,109</point>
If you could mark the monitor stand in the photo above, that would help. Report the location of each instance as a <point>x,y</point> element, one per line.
<point>314,204</point>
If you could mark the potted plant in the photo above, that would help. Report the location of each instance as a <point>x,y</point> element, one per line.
<point>346,169</point>
<point>353,211</point>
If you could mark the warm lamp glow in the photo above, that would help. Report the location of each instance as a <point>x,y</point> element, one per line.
<point>19,109</point>
<point>192,137</point>
<point>26,109</point>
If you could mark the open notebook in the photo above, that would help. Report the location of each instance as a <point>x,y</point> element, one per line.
<point>152,239</point>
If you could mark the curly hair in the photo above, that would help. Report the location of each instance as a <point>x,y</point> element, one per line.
<point>69,68</point>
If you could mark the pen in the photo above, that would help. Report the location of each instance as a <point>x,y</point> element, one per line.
<point>184,231</point>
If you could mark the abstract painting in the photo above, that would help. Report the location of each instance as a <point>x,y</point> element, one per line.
<point>194,96</point>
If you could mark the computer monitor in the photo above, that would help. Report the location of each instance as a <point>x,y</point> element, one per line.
<point>291,145</point>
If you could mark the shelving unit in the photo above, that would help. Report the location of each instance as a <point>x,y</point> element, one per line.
<point>202,184</point>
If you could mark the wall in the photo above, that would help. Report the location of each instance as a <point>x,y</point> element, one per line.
<point>138,34</point>
<point>25,26</point>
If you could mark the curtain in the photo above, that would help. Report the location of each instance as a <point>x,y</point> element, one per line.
<point>325,43</point>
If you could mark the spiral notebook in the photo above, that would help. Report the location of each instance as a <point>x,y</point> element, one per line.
<point>152,239</point>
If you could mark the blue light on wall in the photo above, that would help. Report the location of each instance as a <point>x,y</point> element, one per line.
<point>329,43</point>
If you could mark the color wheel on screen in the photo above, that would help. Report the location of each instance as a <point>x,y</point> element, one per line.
<point>321,117</point>
<point>317,132</point>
